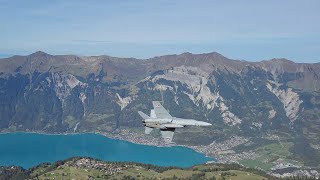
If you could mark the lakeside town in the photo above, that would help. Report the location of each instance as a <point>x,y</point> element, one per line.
<point>221,151</point>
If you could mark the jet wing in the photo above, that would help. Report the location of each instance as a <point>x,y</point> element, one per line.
<point>160,111</point>
<point>167,135</point>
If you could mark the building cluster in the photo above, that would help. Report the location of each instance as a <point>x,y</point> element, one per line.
<point>236,157</point>
<point>223,152</point>
<point>281,164</point>
<point>298,173</point>
<point>107,168</point>
<point>137,138</point>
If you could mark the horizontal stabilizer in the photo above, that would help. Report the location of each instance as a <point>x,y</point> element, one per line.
<point>143,115</point>
<point>148,130</point>
<point>167,135</point>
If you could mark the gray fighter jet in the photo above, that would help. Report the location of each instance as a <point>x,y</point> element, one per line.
<point>160,118</point>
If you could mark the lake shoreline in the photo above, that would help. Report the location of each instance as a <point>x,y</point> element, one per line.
<point>119,137</point>
<point>27,149</point>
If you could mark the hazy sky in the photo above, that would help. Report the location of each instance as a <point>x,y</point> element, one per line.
<point>239,29</point>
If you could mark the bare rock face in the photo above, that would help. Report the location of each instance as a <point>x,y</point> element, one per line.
<point>198,91</point>
<point>228,117</point>
<point>289,98</point>
<point>301,76</point>
<point>123,102</point>
<point>193,78</point>
<point>63,84</point>
<point>272,113</point>
<point>83,98</point>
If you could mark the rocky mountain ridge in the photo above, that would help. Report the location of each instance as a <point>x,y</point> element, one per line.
<point>195,72</point>
<point>67,93</point>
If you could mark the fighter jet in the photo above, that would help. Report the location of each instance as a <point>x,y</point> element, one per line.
<point>160,118</point>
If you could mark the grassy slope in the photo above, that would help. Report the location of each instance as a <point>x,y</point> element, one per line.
<point>267,154</point>
<point>67,171</point>
<point>141,173</point>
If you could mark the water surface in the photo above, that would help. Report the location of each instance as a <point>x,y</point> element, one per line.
<point>30,149</point>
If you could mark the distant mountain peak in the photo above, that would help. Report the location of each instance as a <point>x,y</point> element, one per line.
<point>39,54</point>
<point>281,60</point>
<point>210,53</point>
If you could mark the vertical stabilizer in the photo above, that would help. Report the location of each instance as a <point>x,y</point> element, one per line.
<point>160,111</point>
<point>152,114</point>
<point>143,115</point>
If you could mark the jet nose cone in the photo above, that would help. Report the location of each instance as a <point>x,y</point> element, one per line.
<point>207,124</point>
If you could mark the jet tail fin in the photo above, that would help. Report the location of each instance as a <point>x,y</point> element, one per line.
<point>160,111</point>
<point>143,115</point>
<point>152,114</point>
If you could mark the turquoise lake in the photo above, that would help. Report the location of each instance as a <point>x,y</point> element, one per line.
<point>30,149</point>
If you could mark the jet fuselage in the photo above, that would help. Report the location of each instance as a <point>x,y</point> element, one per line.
<point>161,119</point>
<point>172,123</point>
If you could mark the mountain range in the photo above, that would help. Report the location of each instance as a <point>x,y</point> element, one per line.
<point>256,100</point>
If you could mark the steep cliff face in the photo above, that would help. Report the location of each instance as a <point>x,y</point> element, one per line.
<point>193,82</point>
<point>290,100</point>
<point>63,84</point>
<point>41,92</point>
